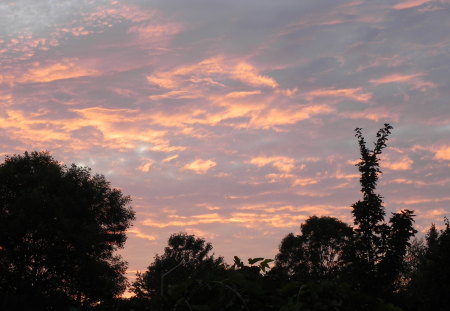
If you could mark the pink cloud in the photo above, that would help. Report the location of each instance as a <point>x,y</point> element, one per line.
<point>153,31</point>
<point>414,80</point>
<point>354,93</point>
<point>409,4</point>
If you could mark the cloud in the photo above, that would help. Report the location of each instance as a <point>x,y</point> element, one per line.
<point>273,117</point>
<point>184,221</point>
<point>305,181</point>
<point>422,200</point>
<point>151,31</point>
<point>412,79</point>
<point>410,4</point>
<point>201,233</point>
<point>211,71</point>
<point>145,166</point>
<point>283,164</point>
<point>67,69</point>
<point>442,153</point>
<point>170,158</point>
<point>242,94</point>
<point>249,75</point>
<point>244,219</point>
<point>374,114</point>
<point>200,166</point>
<point>401,165</point>
<point>355,93</point>
<point>139,234</point>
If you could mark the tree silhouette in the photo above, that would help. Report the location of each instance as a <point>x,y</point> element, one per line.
<point>59,229</point>
<point>430,286</point>
<point>186,257</point>
<point>377,255</point>
<point>315,254</point>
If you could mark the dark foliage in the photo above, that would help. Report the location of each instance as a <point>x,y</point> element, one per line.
<point>376,258</point>
<point>59,229</point>
<point>315,254</point>
<point>430,285</point>
<point>186,260</point>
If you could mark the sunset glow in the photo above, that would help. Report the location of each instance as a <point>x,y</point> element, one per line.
<point>232,120</point>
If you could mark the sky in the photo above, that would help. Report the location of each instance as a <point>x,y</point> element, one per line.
<point>232,120</point>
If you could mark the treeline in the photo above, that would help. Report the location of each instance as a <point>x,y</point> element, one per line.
<point>61,226</point>
<point>310,272</point>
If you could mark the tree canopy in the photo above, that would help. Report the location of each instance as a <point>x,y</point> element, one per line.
<point>185,257</point>
<point>59,229</point>
<point>315,254</point>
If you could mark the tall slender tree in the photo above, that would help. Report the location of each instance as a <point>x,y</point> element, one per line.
<point>379,248</point>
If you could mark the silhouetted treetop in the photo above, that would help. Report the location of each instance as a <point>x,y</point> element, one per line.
<point>316,253</point>
<point>378,251</point>
<point>59,228</point>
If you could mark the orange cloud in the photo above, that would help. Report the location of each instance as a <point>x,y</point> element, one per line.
<point>139,234</point>
<point>442,153</point>
<point>64,70</point>
<point>207,71</point>
<point>109,128</point>
<point>248,74</point>
<point>434,213</point>
<point>401,165</point>
<point>200,166</point>
<point>283,164</point>
<point>340,175</point>
<point>161,80</point>
<point>184,221</point>
<point>270,214</point>
<point>146,166</point>
<point>275,116</point>
<point>305,181</point>
<point>242,94</point>
<point>170,158</point>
